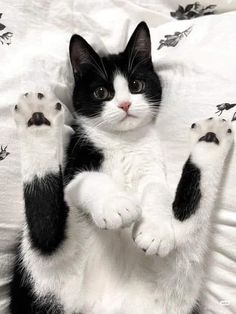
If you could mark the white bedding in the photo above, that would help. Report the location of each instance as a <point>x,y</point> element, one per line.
<point>197,74</point>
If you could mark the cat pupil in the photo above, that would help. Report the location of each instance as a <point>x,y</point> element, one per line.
<point>137,86</point>
<point>101,93</point>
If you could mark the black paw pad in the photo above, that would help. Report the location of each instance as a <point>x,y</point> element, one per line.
<point>40,95</point>
<point>210,137</point>
<point>58,106</point>
<point>38,118</point>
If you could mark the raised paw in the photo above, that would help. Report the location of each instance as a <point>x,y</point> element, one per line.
<point>154,238</point>
<point>38,111</point>
<point>116,211</point>
<point>212,135</point>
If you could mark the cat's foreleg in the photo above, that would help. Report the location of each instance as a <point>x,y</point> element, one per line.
<point>96,194</point>
<point>154,233</point>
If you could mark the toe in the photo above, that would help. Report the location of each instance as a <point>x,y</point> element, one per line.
<point>165,248</point>
<point>153,247</point>
<point>113,221</point>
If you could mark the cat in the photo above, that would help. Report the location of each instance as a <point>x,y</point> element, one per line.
<point>103,233</point>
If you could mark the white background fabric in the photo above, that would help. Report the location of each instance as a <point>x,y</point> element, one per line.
<point>197,74</point>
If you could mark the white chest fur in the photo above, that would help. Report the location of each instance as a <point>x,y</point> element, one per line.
<point>130,155</point>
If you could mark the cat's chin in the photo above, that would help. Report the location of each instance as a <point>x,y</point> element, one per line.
<point>129,123</point>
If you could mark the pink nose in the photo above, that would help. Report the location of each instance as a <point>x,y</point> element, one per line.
<point>125,106</point>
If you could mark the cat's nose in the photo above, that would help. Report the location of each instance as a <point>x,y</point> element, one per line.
<point>125,105</point>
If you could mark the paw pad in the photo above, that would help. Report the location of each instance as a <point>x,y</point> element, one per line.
<point>58,106</point>
<point>210,137</point>
<point>40,95</point>
<point>38,118</point>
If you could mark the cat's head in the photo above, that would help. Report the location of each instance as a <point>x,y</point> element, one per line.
<point>116,92</point>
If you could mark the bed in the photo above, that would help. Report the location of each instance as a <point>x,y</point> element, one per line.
<point>194,52</point>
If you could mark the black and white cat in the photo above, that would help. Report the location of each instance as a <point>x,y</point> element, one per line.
<point>102,233</point>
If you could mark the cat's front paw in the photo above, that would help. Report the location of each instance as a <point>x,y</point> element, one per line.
<point>116,211</point>
<point>154,237</point>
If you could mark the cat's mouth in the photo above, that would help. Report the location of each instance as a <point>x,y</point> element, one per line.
<point>128,115</point>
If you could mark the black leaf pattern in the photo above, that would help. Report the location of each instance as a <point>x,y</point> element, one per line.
<point>234,117</point>
<point>225,107</point>
<point>188,7</point>
<point>2,27</point>
<point>210,7</point>
<point>192,11</point>
<point>173,40</point>
<point>3,152</point>
<point>181,9</point>
<point>5,38</point>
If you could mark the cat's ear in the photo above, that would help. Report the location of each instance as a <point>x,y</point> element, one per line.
<point>81,53</point>
<point>140,42</point>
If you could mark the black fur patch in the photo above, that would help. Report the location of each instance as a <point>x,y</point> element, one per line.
<point>22,298</point>
<point>82,154</point>
<point>46,212</point>
<point>196,310</point>
<point>188,193</point>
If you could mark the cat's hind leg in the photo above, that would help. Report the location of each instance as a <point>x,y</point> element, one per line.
<point>193,205</point>
<point>47,244</point>
<point>39,121</point>
<point>197,189</point>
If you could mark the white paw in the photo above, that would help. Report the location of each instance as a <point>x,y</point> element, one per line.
<point>116,211</point>
<point>154,238</point>
<point>212,137</point>
<point>38,113</point>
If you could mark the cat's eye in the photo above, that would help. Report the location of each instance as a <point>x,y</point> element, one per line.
<point>101,93</point>
<point>137,86</point>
